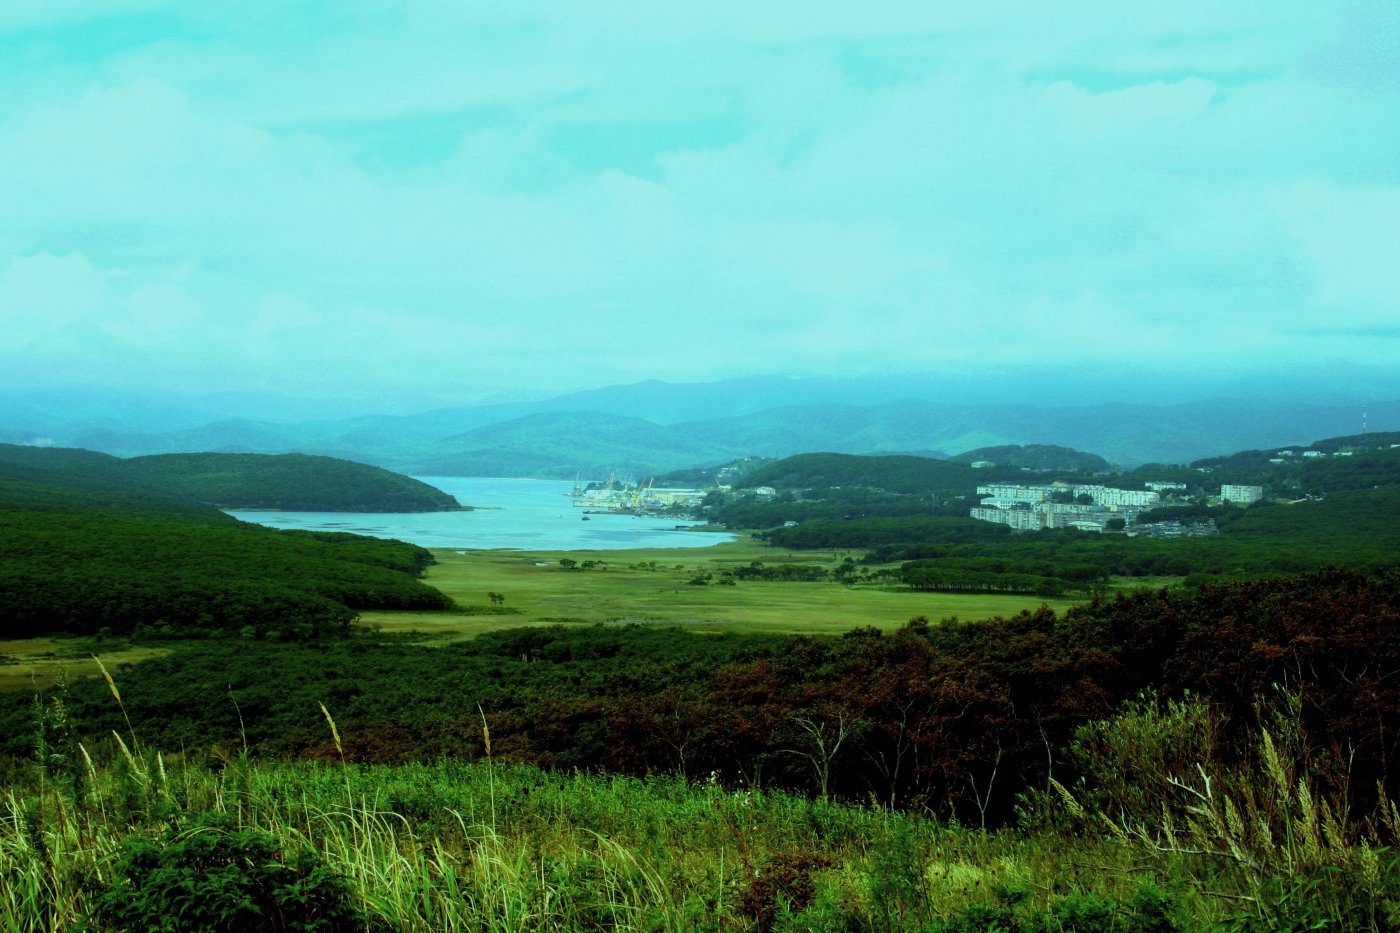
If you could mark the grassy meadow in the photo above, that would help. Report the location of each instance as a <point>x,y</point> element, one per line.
<point>36,663</point>
<point>652,586</point>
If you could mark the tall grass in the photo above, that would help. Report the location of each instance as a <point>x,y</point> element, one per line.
<point>1165,843</point>
<point>419,850</point>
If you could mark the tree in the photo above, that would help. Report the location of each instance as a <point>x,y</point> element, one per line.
<point>821,737</point>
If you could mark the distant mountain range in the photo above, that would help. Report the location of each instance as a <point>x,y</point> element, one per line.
<point>655,427</point>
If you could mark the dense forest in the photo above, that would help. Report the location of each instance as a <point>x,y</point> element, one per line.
<point>1041,457</point>
<point>296,482</point>
<point>90,562</point>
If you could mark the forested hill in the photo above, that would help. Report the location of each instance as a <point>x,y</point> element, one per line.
<point>1335,464</point>
<point>912,475</point>
<point>895,473</point>
<point>230,481</point>
<point>87,561</point>
<point>1037,457</point>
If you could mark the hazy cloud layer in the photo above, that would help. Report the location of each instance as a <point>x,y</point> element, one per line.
<point>434,197</point>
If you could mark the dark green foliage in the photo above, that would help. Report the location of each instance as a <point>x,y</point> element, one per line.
<point>872,532</point>
<point>902,474</point>
<point>286,481</point>
<point>229,481</point>
<point>1041,457</point>
<point>81,562</point>
<point>897,896</point>
<point>213,875</point>
<point>1149,910</point>
<point>987,574</point>
<point>1361,461</point>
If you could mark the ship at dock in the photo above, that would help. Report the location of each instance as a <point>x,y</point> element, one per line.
<point>627,497</point>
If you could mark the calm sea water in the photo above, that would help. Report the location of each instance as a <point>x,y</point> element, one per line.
<point>528,514</point>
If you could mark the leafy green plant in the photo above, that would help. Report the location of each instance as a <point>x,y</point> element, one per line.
<point>216,876</point>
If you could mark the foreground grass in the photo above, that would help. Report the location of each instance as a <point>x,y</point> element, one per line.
<point>653,586</point>
<point>127,838</point>
<point>449,845</point>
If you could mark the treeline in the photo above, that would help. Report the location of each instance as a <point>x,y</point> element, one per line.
<point>296,482</point>
<point>963,719</point>
<point>873,532</point>
<point>86,563</point>
<point>998,575</point>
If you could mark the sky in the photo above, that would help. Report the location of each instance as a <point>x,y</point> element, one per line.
<point>472,201</point>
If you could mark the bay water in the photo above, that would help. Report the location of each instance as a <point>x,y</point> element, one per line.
<point>525,514</point>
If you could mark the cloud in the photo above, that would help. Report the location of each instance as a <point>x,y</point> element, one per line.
<point>43,294</point>
<point>1349,235</point>
<point>555,196</point>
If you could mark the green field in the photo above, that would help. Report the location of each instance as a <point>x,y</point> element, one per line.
<point>36,663</point>
<point>651,586</point>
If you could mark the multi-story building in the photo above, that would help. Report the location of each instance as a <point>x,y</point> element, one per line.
<point>1241,494</point>
<point>1015,492</point>
<point>1108,496</point>
<point>1018,519</point>
<point>1029,508</point>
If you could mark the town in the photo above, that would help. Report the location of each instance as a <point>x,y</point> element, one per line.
<point>1096,508</point>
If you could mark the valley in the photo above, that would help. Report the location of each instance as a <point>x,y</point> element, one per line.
<point>655,587</point>
<point>869,710</point>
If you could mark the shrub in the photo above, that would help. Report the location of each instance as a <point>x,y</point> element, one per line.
<point>216,876</point>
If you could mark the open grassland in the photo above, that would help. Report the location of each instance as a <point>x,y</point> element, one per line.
<point>649,586</point>
<point>653,586</point>
<point>36,663</point>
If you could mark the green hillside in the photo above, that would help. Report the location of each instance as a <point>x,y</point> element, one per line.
<point>895,473</point>
<point>230,481</point>
<point>1037,457</point>
<point>87,562</point>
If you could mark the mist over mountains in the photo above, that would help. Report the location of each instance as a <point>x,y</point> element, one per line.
<point>657,426</point>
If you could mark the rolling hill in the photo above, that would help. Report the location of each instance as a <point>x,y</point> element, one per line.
<point>229,481</point>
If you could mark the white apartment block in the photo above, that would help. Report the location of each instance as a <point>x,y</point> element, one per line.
<point>1241,494</point>
<point>1029,508</point>
<point>1018,519</point>
<point>1014,492</point>
<point>1108,496</point>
